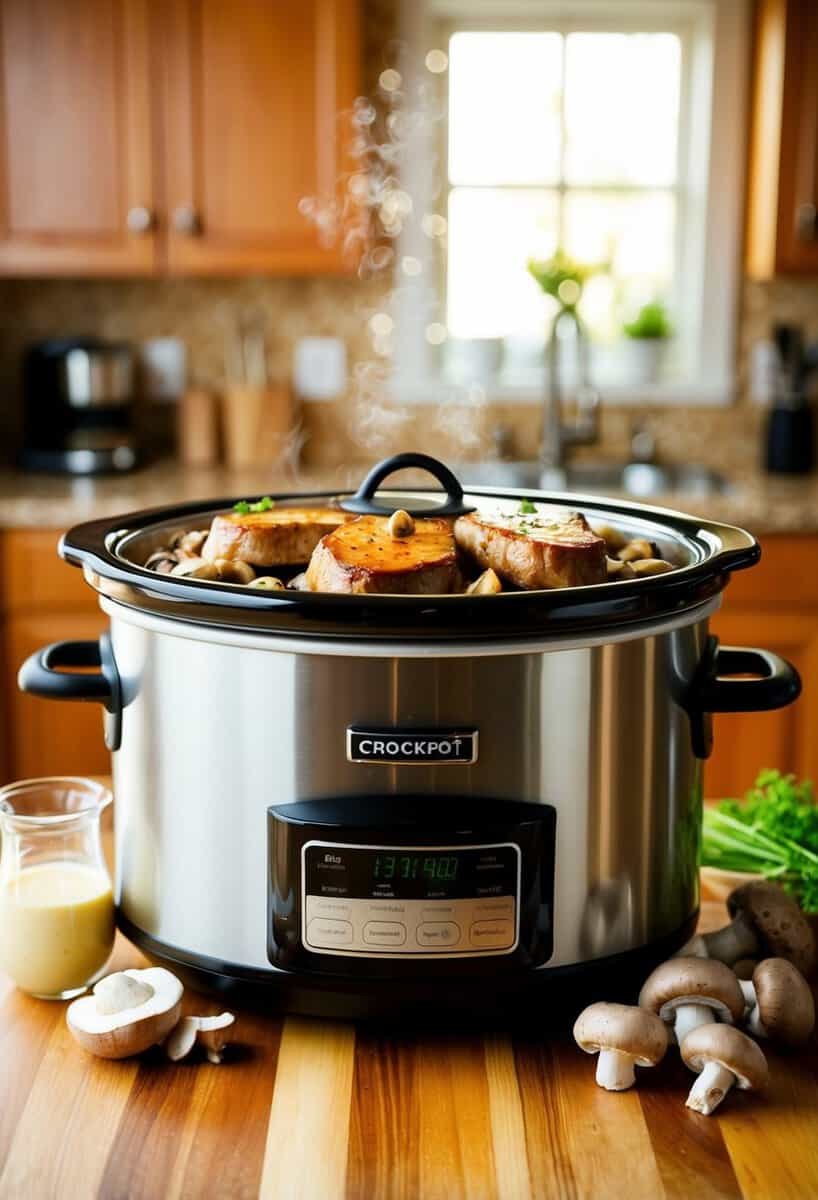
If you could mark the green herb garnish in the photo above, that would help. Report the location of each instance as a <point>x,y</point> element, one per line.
<point>773,832</point>
<point>262,505</point>
<point>527,506</point>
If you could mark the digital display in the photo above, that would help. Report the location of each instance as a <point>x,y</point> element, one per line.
<point>442,867</point>
<point>411,872</point>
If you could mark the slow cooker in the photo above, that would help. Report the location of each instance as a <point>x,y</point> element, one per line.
<point>390,805</point>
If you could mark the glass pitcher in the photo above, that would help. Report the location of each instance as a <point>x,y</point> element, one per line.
<point>56,900</point>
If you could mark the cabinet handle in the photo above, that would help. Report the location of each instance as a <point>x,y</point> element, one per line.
<point>140,219</point>
<point>186,220</point>
<point>806,222</point>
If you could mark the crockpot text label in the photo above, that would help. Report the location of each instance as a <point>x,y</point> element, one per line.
<point>411,746</point>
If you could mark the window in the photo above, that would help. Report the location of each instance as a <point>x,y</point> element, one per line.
<point>611,132</point>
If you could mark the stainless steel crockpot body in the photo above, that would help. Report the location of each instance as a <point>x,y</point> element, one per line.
<point>257,737</point>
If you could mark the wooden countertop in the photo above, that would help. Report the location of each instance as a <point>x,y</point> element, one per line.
<point>312,1109</point>
<point>755,501</point>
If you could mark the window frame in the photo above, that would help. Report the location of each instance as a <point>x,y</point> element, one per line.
<point>709,187</point>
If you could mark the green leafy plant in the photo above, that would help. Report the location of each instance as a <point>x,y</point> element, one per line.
<point>562,276</point>
<point>772,832</point>
<point>651,321</point>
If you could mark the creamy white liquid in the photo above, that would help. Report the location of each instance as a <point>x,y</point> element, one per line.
<point>56,926</point>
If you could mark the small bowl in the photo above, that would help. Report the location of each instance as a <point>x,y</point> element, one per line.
<point>718,884</point>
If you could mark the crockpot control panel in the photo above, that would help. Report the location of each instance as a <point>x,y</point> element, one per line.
<point>396,880</point>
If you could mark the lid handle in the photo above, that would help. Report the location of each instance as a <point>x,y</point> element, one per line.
<point>452,506</point>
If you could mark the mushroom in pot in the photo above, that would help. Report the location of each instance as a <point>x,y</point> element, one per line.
<point>163,561</point>
<point>624,1037</point>
<point>233,570</point>
<point>268,583</point>
<point>724,1058</point>
<point>196,568</point>
<point>635,549</point>
<point>687,992</point>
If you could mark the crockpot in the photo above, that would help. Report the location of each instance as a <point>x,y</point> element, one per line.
<point>390,805</point>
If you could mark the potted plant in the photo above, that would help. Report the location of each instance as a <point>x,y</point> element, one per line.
<point>647,337</point>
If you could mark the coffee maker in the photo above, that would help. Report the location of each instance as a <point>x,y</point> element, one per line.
<point>80,407</point>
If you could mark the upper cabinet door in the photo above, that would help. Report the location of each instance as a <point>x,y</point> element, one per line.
<point>76,179</point>
<point>782,206</point>
<point>254,90</point>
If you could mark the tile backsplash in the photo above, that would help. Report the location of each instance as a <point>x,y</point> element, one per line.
<point>201,312</point>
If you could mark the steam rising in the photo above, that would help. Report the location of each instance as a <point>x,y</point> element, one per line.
<point>384,219</point>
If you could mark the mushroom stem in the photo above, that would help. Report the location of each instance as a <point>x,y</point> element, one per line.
<point>754,1023</point>
<point>690,1016</point>
<point>614,1071</point>
<point>748,991</point>
<point>695,948</point>
<point>736,940</point>
<point>712,1085</point>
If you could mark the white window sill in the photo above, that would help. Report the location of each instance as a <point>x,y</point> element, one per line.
<point>698,394</point>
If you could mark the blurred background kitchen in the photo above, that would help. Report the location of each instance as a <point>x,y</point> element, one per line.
<point>249,245</point>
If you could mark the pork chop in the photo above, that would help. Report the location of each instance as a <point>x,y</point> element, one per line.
<point>363,557</point>
<point>540,549</point>
<point>276,537</point>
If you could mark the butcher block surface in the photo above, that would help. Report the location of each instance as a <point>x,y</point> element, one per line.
<point>304,1109</point>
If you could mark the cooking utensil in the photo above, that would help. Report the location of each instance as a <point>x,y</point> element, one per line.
<point>381,804</point>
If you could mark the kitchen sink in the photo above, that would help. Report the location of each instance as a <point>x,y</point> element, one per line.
<point>634,479</point>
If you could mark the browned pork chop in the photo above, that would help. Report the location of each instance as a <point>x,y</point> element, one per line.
<point>543,549</point>
<point>273,538</point>
<point>363,557</point>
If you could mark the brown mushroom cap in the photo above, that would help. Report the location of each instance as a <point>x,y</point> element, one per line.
<point>623,1027</point>
<point>785,1002</point>
<point>731,1049</point>
<point>743,967</point>
<point>778,921</point>
<point>704,981</point>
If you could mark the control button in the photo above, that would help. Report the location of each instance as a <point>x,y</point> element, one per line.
<point>318,906</point>
<point>501,906</point>
<point>441,935</point>
<point>324,932</point>
<point>491,935</point>
<point>384,933</point>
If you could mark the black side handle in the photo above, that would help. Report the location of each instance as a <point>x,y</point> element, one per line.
<point>716,688</point>
<point>39,676</point>
<point>452,505</point>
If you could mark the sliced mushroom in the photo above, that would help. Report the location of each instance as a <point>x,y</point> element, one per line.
<point>780,1002</point>
<point>196,568</point>
<point>724,1058</point>
<point>233,570</point>
<point>650,566</point>
<point>487,584</point>
<point>190,544</point>
<point>624,1037</point>
<point>207,1031</point>
<point>637,548</point>
<point>687,992</point>
<point>766,922</point>
<point>268,583</point>
<point>163,561</point>
<point>617,569</point>
<point>127,1012</point>
<point>401,524</point>
<point>614,539</point>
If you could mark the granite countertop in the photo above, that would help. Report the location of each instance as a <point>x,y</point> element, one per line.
<point>754,501</point>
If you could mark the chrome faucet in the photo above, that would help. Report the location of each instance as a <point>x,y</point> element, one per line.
<point>557,437</point>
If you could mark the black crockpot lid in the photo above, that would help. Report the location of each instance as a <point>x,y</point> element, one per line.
<point>713,551</point>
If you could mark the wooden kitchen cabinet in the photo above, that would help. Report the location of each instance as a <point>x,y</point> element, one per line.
<point>77,187</point>
<point>171,136</point>
<point>254,95</point>
<point>773,606</point>
<point>44,600</point>
<point>782,193</point>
